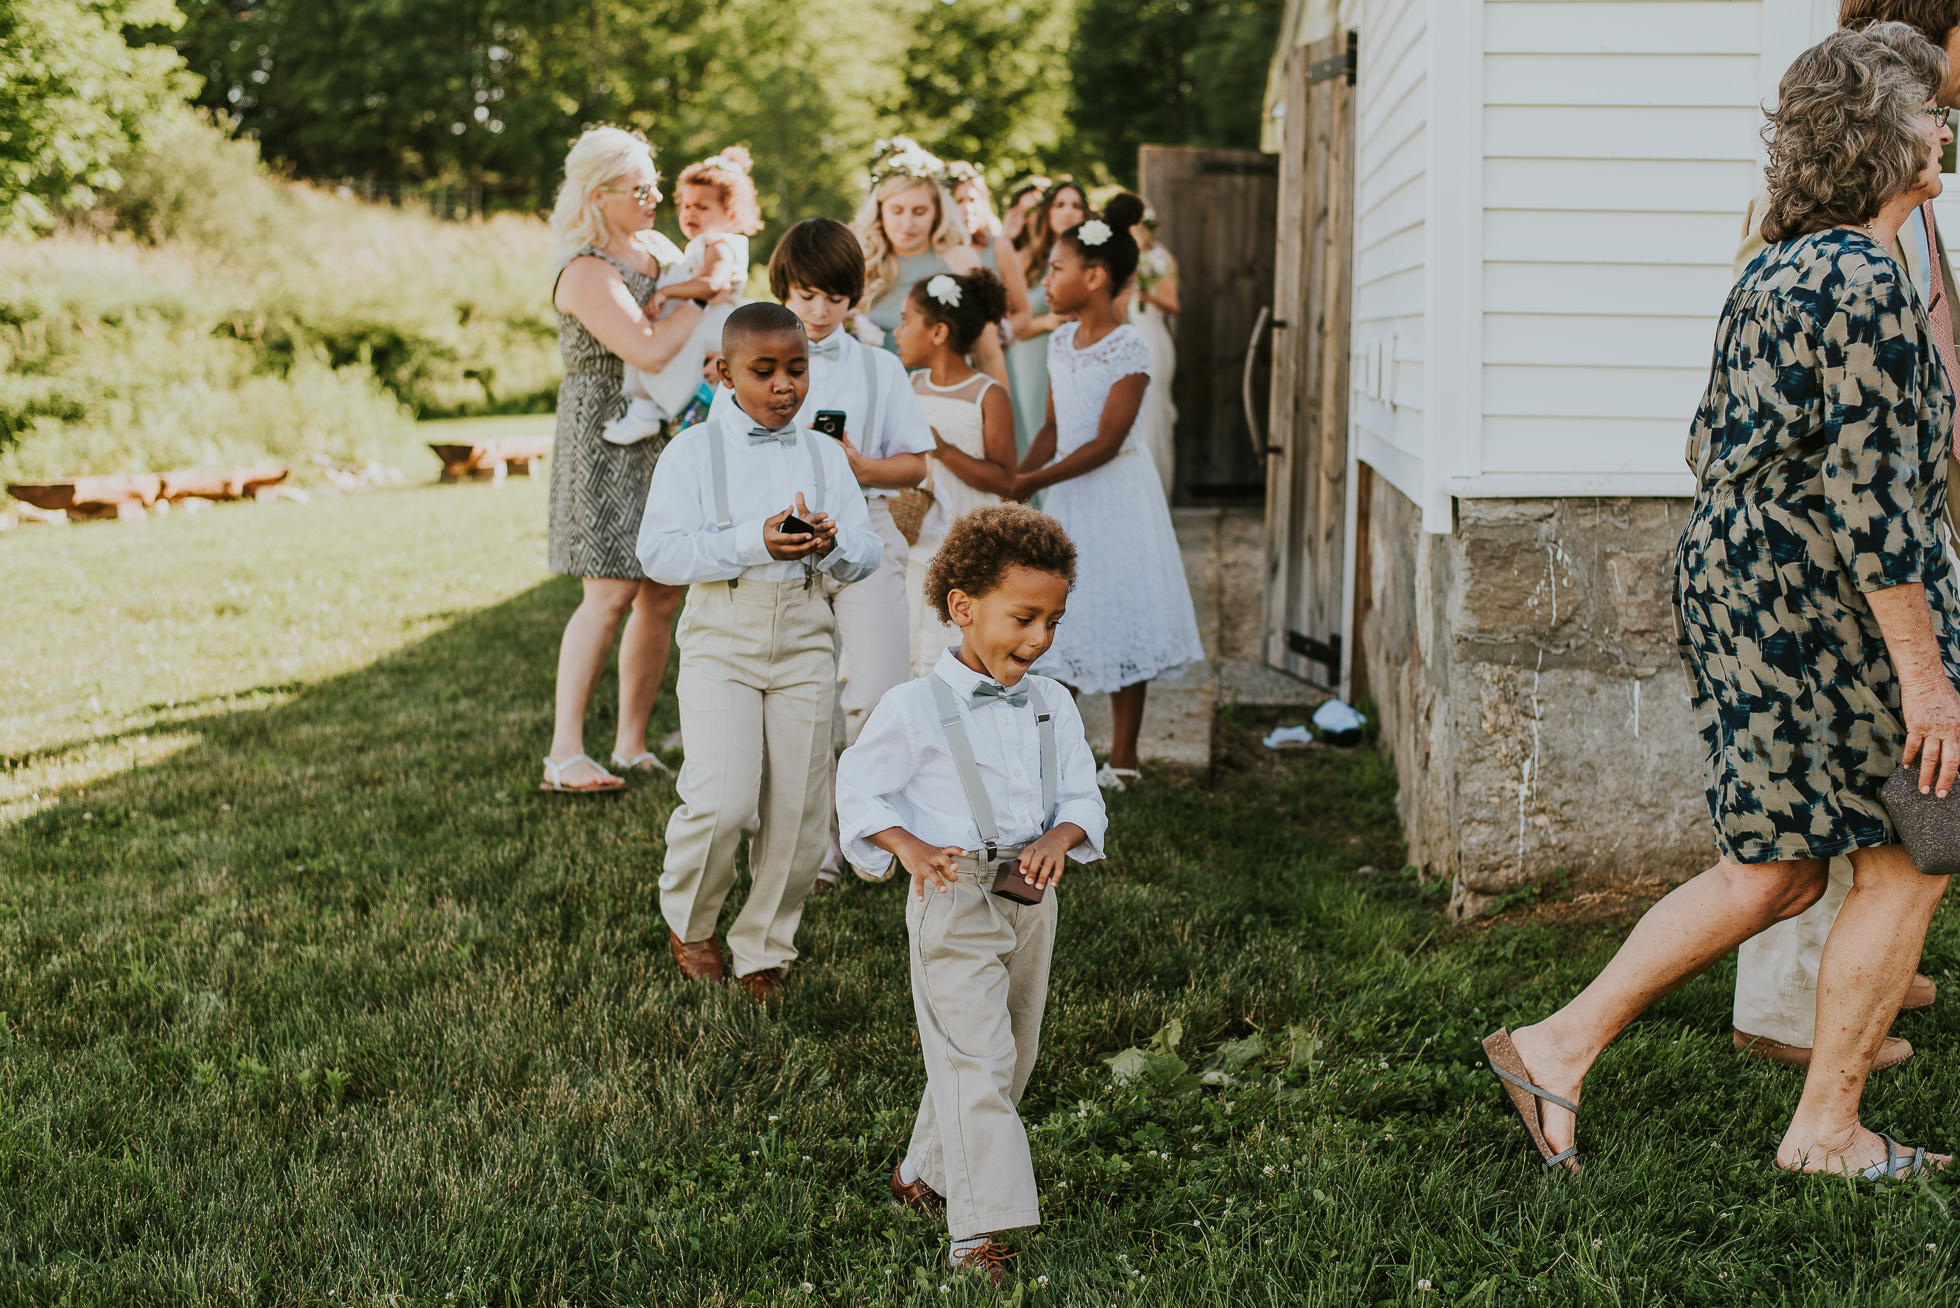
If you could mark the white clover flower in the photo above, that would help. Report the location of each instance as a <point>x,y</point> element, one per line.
<point>1932,1248</point>
<point>945,1289</point>
<point>945,289</point>
<point>809,1288</point>
<point>1041,1280</point>
<point>1423,1286</point>
<point>1267,1170</point>
<point>777,1117</point>
<point>1597,1242</point>
<point>1093,232</point>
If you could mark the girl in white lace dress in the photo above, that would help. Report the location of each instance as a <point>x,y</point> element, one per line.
<point>1130,617</point>
<point>972,426</point>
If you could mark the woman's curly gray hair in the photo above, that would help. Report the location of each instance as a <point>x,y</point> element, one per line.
<point>1848,133</point>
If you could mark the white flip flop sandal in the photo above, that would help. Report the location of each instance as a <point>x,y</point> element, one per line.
<point>554,778</point>
<point>647,762</point>
<point>1110,778</point>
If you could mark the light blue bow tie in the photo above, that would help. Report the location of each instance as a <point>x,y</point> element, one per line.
<point>782,435</point>
<point>986,690</point>
<point>830,347</point>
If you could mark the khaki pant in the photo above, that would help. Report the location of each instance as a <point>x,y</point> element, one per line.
<point>979,985</point>
<point>756,684</point>
<point>874,647</point>
<point>1776,970</point>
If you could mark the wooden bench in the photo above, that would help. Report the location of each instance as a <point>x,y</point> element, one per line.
<point>492,459</point>
<point>132,494</point>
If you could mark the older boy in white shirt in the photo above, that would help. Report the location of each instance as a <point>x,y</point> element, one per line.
<point>958,775</point>
<point>753,514</point>
<point>817,271</point>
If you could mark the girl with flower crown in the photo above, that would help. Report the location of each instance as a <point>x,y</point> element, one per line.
<point>1130,618</point>
<point>911,230</point>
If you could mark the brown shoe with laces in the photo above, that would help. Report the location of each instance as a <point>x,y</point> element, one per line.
<point>763,986</point>
<point>700,961</point>
<point>916,1194</point>
<point>990,1258</point>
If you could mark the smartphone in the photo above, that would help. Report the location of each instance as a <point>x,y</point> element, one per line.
<point>830,422</point>
<point>795,526</point>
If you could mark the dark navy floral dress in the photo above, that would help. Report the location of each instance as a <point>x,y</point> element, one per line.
<point>1820,453</point>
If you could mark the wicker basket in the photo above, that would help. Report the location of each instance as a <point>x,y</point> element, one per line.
<point>910,506</point>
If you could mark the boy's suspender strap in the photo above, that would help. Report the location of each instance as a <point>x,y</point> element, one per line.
<point>816,468</point>
<point>1050,768</point>
<point>869,439</point>
<point>718,469</point>
<point>963,762</point>
<point>976,793</point>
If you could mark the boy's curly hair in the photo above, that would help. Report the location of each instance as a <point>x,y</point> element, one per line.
<point>983,544</point>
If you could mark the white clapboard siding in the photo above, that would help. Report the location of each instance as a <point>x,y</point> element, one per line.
<point>1391,214</point>
<point>1627,288</point>
<point>1663,394</point>
<point>1569,236</point>
<point>1518,444</point>
<point>1632,27</point>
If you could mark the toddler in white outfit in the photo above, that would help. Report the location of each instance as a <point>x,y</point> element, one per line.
<point>978,778</point>
<point>718,214</point>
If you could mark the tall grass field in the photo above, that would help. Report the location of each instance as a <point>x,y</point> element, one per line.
<point>309,997</point>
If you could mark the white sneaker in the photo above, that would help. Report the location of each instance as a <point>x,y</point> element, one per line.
<point>629,430</point>
<point>1110,778</point>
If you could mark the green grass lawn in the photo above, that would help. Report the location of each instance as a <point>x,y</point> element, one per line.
<point>311,997</point>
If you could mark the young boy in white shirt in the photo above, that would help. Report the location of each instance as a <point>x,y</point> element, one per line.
<point>817,271</point>
<point>752,514</point>
<point>958,774</point>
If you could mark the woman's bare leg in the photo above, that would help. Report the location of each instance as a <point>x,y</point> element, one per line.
<point>1868,962</point>
<point>1126,723</point>
<point>581,658</point>
<point>643,649</point>
<point>1679,938</point>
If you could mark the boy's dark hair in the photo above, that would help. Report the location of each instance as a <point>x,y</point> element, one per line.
<point>818,254</point>
<point>983,302</point>
<point>1935,19</point>
<point>1118,254</point>
<point>984,543</point>
<point>757,319</point>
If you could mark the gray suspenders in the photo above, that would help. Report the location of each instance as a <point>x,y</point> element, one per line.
<point>870,435</point>
<point>718,468</point>
<point>976,792</point>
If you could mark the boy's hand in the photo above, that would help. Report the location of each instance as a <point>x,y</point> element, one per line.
<point>826,529</point>
<point>790,545</point>
<point>926,863</point>
<point>1042,862</point>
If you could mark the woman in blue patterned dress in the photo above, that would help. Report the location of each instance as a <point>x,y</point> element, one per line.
<point>1819,616</point>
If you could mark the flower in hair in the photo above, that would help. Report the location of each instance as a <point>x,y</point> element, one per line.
<point>1093,232</point>
<point>725,164</point>
<point>944,289</point>
<point>901,156</point>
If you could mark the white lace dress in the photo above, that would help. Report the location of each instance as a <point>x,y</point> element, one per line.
<point>1130,617</point>
<point>954,412</point>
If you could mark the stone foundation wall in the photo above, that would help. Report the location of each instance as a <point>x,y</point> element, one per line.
<point>1525,670</point>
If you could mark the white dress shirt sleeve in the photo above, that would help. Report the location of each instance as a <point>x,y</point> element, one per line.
<point>858,550</point>
<point>679,543</point>
<point>1077,799</point>
<point>902,424</point>
<point>871,775</point>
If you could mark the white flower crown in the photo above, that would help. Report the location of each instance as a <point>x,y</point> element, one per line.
<point>725,164</point>
<point>901,156</point>
<point>1093,232</point>
<point>944,289</point>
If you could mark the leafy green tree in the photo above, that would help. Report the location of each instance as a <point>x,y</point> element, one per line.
<point>73,95</point>
<point>1167,72</point>
<point>986,81</point>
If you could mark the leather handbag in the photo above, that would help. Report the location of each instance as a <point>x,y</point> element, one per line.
<point>1928,826</point>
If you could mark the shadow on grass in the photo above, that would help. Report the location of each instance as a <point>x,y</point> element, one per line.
<point>334,1001</point>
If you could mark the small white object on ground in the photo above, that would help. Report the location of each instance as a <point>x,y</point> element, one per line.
<point>1336,716</point>
<point>1282,737</point>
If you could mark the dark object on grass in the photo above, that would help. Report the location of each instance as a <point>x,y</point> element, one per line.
<point>492,460</point>
<point>1929,827</point>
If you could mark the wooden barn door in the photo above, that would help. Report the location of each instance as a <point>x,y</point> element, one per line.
<point>1216,214</point>
<point>1306,491</point>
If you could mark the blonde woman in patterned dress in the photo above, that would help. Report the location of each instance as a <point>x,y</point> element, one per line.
<point>606,274</point>
<point>1820,617</point>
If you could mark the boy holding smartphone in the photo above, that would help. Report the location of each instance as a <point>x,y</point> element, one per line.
<point>753,515</point>
<point>817,271</point>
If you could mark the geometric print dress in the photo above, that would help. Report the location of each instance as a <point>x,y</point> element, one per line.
<point>598,489</point>
<point>1820,457</point>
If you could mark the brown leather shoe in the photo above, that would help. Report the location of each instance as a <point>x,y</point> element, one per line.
<point>1894,1051</point>
<point>989,1258</point>
<point>763,986</point>
<point>1920,994</point>
<point>917,1195</point>
<point>700,961</point>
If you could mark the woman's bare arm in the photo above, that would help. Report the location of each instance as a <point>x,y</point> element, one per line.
<point>1164,295</point>
<point>1928,701</point>
<point>591,291</point>
<point>1016,279</point>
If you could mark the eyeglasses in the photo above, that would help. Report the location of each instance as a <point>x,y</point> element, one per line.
<point>644,193</point>
<point>1937,113</point>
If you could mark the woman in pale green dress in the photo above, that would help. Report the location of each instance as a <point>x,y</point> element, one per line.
<point>1064,206</point>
